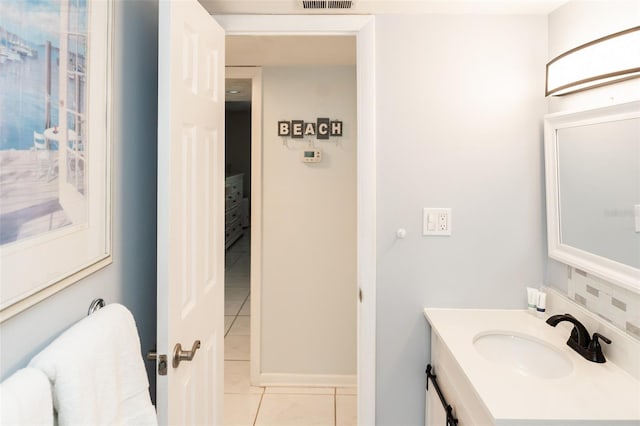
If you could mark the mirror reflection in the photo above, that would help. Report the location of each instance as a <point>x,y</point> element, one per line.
<point>599,189</point>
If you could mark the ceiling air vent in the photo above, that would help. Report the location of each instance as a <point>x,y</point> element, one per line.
<point>327,4</point>
<point>339,4</point>
<point>314,4</point>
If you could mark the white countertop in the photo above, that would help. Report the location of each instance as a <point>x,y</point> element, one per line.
<point>599,393</point>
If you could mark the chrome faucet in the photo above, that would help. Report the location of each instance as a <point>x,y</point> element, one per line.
<point>579,340</point>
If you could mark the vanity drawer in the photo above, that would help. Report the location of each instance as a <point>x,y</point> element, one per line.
<point>456,388</point>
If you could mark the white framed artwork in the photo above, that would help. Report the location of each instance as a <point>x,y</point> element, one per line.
<point>55,146</point>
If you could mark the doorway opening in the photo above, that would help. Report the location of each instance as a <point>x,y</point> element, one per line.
<point>237,210</point>
<point>302,237</point>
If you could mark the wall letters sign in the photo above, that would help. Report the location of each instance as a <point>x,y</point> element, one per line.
<point>323,128</point>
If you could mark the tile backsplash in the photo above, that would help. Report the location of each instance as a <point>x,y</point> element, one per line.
<point>610,302</point>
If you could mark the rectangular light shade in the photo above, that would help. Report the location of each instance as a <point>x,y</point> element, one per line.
<point>606,60</point>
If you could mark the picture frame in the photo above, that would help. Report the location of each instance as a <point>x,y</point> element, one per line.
<point>55,146</point>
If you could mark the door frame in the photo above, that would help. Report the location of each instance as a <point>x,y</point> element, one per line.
<point>363,28</point>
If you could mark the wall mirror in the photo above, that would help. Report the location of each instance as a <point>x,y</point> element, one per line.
<point>593,191</point>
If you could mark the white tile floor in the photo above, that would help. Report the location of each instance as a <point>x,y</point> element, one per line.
<point>246,405</point>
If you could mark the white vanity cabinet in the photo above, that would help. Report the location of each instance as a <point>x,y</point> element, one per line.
<point>456,390</point>
<point>233,197</point>
<point>518,382</point>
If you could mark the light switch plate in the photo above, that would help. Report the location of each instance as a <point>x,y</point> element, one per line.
<point>637,217</point>
<point>436,221</point>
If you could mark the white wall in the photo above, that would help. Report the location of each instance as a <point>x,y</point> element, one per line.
<point>460,101</point>
<point>308,314</point>
<point>130,280</point>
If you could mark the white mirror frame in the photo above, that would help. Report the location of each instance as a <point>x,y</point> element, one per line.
<point>607,269</point>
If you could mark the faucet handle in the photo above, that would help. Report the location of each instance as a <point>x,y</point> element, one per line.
<point>604,339</point>
<point>595,349</point>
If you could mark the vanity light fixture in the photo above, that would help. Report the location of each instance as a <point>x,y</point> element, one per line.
<point>603,61</point>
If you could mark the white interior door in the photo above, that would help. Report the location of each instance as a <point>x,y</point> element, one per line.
<point>190,213</point>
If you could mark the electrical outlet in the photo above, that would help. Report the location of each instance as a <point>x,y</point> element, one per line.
<point>436,221</point>
<point>443,221</point>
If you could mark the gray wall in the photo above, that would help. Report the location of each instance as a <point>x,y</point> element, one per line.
<point>460,101</point>
<point>131,278</point>
<point>308,301</point>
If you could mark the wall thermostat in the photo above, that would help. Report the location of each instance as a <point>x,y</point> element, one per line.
<point>311,155</point>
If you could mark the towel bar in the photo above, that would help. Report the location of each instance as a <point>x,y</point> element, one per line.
<point>95,305</point>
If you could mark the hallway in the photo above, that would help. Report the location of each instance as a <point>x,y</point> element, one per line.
<point>247,405</point>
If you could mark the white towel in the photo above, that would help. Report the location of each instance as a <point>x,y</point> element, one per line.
<point>97,372</point>
<point>25,399</point>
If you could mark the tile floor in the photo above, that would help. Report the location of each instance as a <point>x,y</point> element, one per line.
<point>246,405</point>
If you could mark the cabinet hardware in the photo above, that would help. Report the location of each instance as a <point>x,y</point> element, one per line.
<point>451,420</point>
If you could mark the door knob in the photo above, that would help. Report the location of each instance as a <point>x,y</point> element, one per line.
<point>182,355</point>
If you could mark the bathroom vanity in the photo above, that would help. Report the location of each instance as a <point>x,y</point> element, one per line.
<point>508,367</point>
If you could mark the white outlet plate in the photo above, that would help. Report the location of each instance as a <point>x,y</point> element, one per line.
<point>436,221</point>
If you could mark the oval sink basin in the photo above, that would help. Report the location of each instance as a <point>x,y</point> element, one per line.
<point>523,354</point>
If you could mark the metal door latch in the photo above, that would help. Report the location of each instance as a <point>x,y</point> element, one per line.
<point>152,355</point>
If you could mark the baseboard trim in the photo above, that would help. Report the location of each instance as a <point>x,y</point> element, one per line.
<point>308,380</point>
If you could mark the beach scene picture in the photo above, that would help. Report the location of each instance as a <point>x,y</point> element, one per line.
<point>43,117</point>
